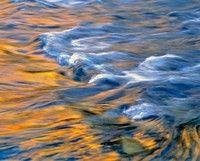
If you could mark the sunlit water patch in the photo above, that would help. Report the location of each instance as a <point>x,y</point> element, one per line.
<point>99,80</point>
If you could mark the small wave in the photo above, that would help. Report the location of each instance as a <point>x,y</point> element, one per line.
<point>59,3</point>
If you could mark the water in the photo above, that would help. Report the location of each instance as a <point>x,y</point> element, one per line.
<point>99,80</point>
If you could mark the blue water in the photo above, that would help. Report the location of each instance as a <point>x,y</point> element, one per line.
<point>169,74</point>
<point>126,58</point>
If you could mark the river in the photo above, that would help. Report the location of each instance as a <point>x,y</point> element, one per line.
<point>100,80</point>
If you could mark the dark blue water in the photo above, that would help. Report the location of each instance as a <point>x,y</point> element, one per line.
<point>127,71</point>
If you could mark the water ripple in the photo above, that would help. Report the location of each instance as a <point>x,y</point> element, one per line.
<point>99,80</point>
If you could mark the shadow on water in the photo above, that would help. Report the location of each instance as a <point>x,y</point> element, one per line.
<point>99,80</point>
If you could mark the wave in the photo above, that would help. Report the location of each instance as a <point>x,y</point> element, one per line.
<point>169,78</point>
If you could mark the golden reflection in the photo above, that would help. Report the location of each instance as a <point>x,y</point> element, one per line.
<point>31,80</point>
<point>62,131</point>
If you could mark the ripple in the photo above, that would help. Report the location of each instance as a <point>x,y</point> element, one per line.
<point>99,80</point>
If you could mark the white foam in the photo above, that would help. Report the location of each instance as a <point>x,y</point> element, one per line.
<point>77,57</point>
<point>139,78</point>
<point>100,76</point>
<point>140,111</point>
<point>148,62</point>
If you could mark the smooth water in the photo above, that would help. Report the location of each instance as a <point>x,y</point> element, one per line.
<point>100,80</point>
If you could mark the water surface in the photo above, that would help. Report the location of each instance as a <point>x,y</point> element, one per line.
<point>99,80</point>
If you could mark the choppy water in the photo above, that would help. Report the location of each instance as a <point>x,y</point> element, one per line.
<point>100,80</point>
